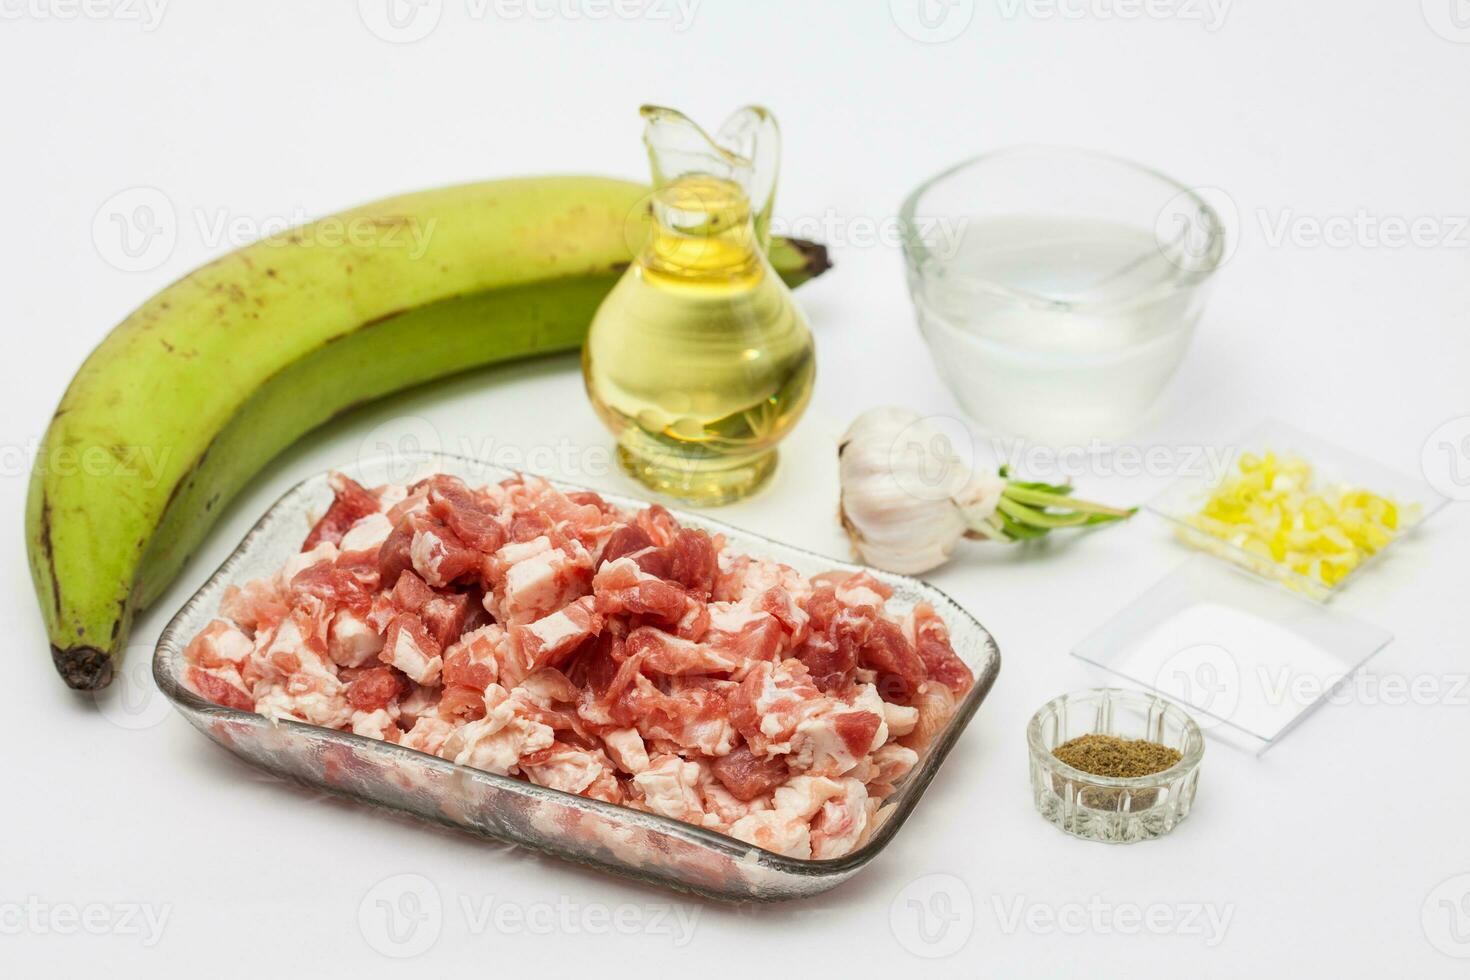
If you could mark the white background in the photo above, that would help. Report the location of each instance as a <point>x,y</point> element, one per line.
<point>1323,853</point>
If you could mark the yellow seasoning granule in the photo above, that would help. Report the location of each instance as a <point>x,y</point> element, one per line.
<point>1271,508</point>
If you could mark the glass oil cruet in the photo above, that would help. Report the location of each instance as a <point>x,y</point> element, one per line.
<point>699,361</point>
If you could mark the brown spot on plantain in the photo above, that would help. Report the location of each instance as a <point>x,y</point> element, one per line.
<point>46,554</point>
<point>84,668</point>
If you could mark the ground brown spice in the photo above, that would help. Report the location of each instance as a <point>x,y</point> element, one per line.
<point>1108,755</point>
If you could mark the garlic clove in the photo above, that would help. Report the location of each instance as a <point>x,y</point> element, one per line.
<point>898,475</point>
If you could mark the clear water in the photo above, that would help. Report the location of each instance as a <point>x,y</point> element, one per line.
<point>1057,330</point>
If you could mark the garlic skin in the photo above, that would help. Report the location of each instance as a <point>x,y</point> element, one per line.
<point>907,498</point>
<point>979,498</point>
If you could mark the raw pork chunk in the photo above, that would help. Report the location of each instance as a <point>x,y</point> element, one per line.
<point>554,638</point>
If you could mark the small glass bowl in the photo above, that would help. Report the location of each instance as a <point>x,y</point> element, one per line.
<point>1058,289</point>
<point>1113,809</point>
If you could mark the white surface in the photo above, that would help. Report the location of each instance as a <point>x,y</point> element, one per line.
<point>1343,852</point>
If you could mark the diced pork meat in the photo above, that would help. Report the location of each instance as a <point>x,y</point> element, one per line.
<point>374,688</point>
<point>466,514</point>
<point>630,539</point>
<point>549,640</point>
<point>351,640</point>
<point>474,660</point>
<point>554,638</point>
<point>444,616</point>
<point>350,504</point>
<point>747,775</point>
<point>692,561</point>
<point>439,555</point>
<point>930,638</point>
<point>670,786</point>
<point>899,668</point>
<point>408,646</point>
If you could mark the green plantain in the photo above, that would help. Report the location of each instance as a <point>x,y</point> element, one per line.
<point>192,394</point>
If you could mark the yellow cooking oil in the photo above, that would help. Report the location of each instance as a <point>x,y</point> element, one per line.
<point>699,361</point>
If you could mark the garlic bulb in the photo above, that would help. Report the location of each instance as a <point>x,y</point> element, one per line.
<point>908,498</point>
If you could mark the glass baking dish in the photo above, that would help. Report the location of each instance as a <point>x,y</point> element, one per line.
<point>613,838</point>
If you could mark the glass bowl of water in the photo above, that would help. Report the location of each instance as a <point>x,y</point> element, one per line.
<point>1058,289</point>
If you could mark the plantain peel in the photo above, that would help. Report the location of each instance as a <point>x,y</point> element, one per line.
<point>191,395</point>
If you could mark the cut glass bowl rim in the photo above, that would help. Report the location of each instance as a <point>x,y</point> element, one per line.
<point>1188,761</point>
<point>172,642</point>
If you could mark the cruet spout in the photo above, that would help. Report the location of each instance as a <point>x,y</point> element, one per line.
<point>746,151</point>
